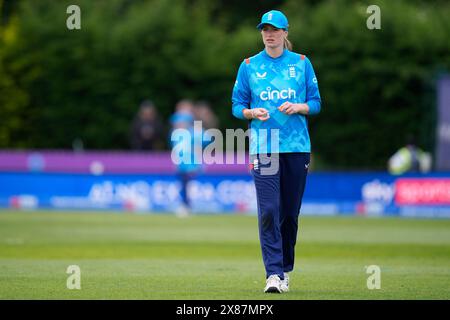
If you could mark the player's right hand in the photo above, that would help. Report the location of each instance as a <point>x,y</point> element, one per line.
<point>260,114</point>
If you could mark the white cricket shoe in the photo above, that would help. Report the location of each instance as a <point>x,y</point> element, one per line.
<point>182,211</point>
<point>273,284</point>
<point>285,283</point>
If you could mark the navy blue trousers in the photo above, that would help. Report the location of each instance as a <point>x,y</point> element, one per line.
<point>280,183</point>
<point>185,178</point>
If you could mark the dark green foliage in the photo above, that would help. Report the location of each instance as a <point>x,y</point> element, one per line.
<point>377,86</point>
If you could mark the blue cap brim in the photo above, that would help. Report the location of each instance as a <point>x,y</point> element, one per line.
<point>177,118</point>
<point>260,26</point>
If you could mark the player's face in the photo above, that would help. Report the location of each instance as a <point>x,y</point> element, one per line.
<point>273,37</point>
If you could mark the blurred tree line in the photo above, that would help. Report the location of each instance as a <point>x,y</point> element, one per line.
<point>377,86</point>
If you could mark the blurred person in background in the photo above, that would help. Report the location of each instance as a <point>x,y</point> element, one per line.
<point>185,106</point>
<point>409,159</point>
<point>204,113</point>
<point>187,152</point>
<point>146,129</point>
<point>277,90</point>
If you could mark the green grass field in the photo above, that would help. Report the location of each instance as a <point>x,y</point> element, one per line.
<point>130,256</point>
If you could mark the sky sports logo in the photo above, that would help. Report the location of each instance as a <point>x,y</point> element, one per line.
<point>422,191</point>
<point>270,94</point>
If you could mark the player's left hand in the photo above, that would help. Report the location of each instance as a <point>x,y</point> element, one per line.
<point>291,108</point>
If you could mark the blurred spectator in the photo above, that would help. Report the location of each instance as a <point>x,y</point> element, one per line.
<point>146,129</point>
<point>204,113</point>
<point>185,106</point>
<point>409,159</point>
<point>77,145</point>
<point>186,151</point>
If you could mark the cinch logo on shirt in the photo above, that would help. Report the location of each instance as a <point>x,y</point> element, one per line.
<point>270,94</point>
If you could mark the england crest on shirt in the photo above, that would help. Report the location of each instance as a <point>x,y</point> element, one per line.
<point>292,72</point>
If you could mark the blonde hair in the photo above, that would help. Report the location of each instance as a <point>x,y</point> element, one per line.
<point>287,44</point>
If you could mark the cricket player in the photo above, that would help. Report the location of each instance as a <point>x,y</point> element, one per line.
<point>277,90</point>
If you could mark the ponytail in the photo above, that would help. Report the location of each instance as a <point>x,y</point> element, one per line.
<point>287,44</point>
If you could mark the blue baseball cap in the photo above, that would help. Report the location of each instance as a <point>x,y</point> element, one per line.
<point>181,117</point>
<point>275,18</point>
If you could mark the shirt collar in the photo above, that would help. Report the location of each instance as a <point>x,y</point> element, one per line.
<point>277,59</point>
